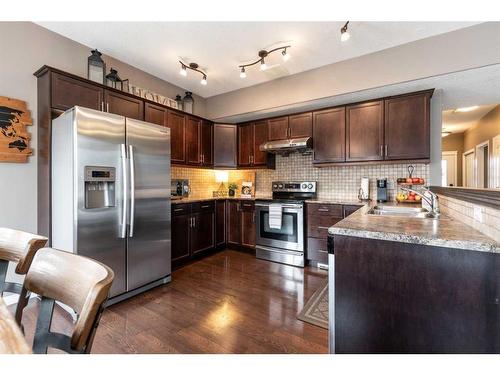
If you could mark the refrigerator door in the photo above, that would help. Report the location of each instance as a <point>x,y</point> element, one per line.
<point>149,244</point>
<point>100,138</point>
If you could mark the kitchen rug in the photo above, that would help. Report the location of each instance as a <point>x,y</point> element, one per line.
<point>316,309</point>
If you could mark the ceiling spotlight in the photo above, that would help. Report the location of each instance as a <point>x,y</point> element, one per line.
<point>194,67</point>
<point>286,55</point>
<point>243,73</point>
<point>344,34</point>
<point>466,109</point>
<point>263,65</point>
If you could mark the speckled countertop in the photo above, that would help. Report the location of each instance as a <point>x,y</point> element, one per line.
<point>194,200</point>
<point>443,232</point>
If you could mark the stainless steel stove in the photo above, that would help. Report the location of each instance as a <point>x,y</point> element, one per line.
<point>283,243</point>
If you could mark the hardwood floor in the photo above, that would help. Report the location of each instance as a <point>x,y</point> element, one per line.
<point>229,302</point>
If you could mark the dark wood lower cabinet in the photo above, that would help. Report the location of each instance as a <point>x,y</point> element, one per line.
<point>247,224</point>
<point>181,219</point>
<point>220,223</point>
<point>202,232</point>
<point>233,222</point>
<point>241,223</point>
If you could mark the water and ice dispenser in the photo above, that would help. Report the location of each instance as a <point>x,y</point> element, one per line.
<point>99,187</point>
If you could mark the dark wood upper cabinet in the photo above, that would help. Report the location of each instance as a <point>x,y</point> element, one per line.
<point>329,135</point>
<point>123,105</point>
<point>193,141</point>
<point>207,141</point>
<point>177,123</point>
<point>365,131</point>
<point>68,92</point>
<point>233,222</point>
<point>278,128</point>
<point>300,125</point>
<point>407,127</point>
<point>245,144</point>
<point>259,137</point>
<point>225,145</point>
<point>155,114</point>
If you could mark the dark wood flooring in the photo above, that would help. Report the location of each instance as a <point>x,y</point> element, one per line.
<point>229,302</point>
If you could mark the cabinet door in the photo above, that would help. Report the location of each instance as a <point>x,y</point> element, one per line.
<point>259,137</point>
<point>124,105</point>
<point>350,209</point>
<point>248,225</point>
<point>207,141</point>
<point>225,145</point>
<point>407,127</point>
<point>245,144</point>
<point>193,141</point>
<point>180,237</point>
<point>233,223</point>
<point>68,92</point>
<point>278,129</point>
<point>202,232</point>
<point>220,222</point>
<point>155,114</point>
<point>300,125</point>
<point>365,131</point>
<point>177,123</point>
<point>329,135</point>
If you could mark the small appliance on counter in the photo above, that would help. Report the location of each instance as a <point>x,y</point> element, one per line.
<point>179,189</point>
<point>364,190</point>
<point>382,190</point>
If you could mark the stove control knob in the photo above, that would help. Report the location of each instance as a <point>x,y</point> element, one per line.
<point>280,186</point>
<point>310,186</point>
<point>304,186</point>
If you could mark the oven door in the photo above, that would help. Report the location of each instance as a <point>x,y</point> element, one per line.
<point>291,234</point>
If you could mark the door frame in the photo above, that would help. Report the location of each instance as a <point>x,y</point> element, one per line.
<point>455,156</point>
<point>495,164</point>
<point>480,156</point>
<point>464,175</point>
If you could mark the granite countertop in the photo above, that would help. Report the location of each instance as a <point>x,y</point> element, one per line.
<point>347,202</point>
<point>443,232</point>
<point>194,200</point>
<point>265,197</point>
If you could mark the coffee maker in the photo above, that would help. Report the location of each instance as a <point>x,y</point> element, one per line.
<point>382,190</point>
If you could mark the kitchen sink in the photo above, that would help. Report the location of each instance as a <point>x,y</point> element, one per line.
<point>412,212</point>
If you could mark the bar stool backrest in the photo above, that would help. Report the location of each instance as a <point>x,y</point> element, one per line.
<point>21,247</point>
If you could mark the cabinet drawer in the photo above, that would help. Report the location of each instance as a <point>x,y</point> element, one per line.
<point>205,206</point>
<point>181,209</point>
<point>247,206</point>
<point>317,226</point>
<point>317,250</point>
<point>330,210</point>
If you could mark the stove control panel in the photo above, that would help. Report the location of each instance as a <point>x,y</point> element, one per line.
<point>295,186</point>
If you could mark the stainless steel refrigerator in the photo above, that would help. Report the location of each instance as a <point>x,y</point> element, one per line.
<point>111,196</point>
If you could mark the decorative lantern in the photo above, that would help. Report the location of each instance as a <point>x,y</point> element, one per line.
<point>178,99</point>
<point>96,68</point>
<point>188,102</point>
<point>113,80</point>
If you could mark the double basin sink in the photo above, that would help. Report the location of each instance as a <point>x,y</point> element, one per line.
<point>410,212</point>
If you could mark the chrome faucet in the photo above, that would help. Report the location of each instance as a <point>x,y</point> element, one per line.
<point>433,201</point>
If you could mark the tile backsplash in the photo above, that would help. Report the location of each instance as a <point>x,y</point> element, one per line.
<point>339,182</point>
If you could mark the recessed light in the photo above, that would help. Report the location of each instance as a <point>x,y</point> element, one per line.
<point>466,109</point>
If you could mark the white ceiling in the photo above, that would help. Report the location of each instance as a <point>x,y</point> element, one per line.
<point>219,47</point>
<point>458,122</point>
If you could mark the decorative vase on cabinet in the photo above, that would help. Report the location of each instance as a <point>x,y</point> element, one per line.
<point>188,102</point>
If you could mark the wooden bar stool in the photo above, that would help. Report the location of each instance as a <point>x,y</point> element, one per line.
<point>20,247</point>
<point>80,283</point>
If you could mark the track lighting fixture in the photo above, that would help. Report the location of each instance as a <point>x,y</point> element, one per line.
<point>344,34</point>
<point>262,55</point>
<point>194,67</point>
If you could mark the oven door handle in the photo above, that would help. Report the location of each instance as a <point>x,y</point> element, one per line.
<point>283,205</point>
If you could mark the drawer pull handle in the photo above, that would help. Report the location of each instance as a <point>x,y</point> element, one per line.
<point>322,227</point>
<point>178,209</point>
<point>323,209</point>
<point>206,206</point>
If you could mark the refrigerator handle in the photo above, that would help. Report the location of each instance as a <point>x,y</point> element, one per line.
<point>123,228</point>
<point>132,189</point>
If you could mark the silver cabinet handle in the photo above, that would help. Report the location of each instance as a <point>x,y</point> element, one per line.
<point>323,209</point>
<point>123,229</point>
<point>381,150</point>
<point>206,206</point>
<point>322,227</point>
<point>102,106</point>
<point>386,150</point>
<point>194,222</point>
<point>132,189</point>
<point>107,107</point>
<point>178,209</point>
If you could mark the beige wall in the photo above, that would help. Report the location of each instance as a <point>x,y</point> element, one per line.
<point>458,50</point>
<point>455,142</point>
<point>486,129</point>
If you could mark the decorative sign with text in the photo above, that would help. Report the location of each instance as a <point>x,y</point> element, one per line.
<point>14,138</point>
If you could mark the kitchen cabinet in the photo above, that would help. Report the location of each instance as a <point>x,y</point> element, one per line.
<point>259,137</point>
<point>278,128</point>
<point>329,135</point>
<point>207,142</point>
<point>250,137</point>
<point>155,114</point>
<point>68,92</point>
<point>245,144</point>
<point>220,223</point>
<point>177,123</point>
<point>247,223</point>
<point>407,127</point>
<point>123,105</point>
<point>233,222</point>
<point>193,156</point>
<point>181,220</point>
<point>300,125</point>
<point>241,223</point>
<point>225,145</point>
<point>365,131</point>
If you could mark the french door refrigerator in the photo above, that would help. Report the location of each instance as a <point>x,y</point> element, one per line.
<point>111,196</point>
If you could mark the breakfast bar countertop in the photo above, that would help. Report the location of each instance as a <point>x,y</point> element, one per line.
<point>444,231</point>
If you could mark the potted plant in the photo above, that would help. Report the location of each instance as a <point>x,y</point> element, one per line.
<point>232,188</point>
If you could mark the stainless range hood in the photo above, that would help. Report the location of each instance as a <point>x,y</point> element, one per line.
<point>287,146</point>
